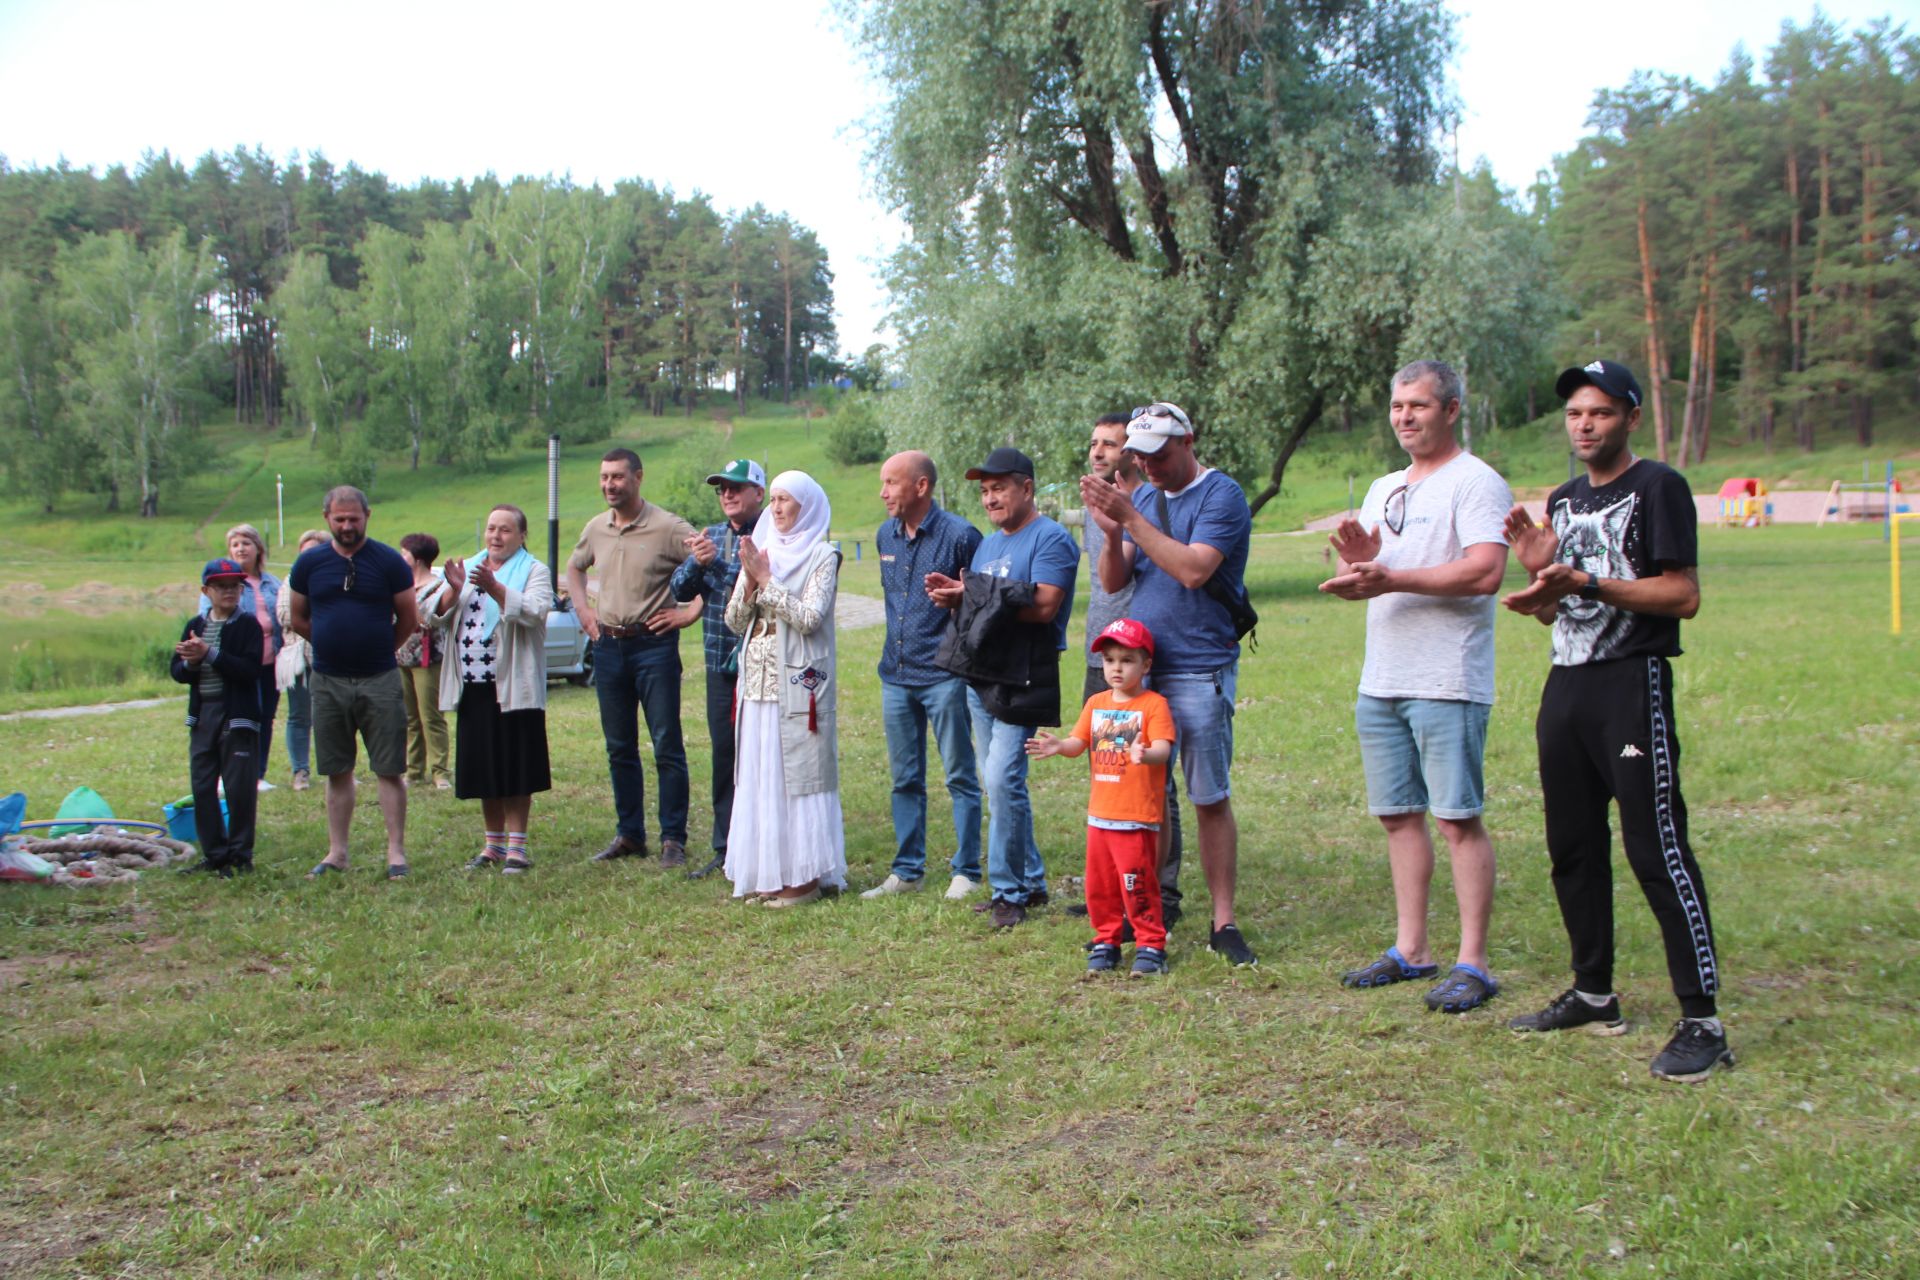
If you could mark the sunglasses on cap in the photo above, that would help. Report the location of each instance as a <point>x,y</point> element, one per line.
<point>1160,411</point>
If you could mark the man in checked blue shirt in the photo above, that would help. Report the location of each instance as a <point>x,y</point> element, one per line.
<point>919,539</point>
<point>708,573</point>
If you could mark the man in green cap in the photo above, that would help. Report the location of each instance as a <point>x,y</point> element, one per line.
<point>711,566</point>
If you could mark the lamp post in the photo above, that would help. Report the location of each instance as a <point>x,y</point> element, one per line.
<point>553,506</point>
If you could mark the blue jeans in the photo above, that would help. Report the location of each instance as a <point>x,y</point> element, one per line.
<point>1202,704</point>
<point>299,725</point>
<point>907,711</point>
<point>1014,869</point>
<point>1423,754</point>
<point>633,676</point>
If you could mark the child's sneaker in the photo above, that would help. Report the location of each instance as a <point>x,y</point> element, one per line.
<point>1148,962</point>
<point>1103,957</point>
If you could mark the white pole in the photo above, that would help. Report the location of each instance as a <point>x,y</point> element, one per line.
<point>279,510</point>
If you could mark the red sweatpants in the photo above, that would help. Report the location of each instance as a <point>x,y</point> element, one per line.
<point>1123,883</point>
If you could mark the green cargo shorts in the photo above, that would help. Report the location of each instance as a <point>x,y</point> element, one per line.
<point>374,707</point>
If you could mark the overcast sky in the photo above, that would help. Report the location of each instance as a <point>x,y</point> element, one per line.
<point>749,101</point>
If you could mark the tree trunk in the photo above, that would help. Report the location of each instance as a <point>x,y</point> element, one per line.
<point>1796,329</point>
<point>1713,354</point>
<point>1655,362</point>
<point>1292,442</point>
<point>1697,340</point>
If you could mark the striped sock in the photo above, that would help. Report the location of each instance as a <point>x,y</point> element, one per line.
<point>517,845</point>
<point>496,844</point>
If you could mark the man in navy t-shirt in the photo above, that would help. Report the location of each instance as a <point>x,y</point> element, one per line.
<point>1025,547</point>
<point>1187,525</point>
<point>352,599</point>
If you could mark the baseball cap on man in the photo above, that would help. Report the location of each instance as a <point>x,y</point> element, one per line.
<point>222,570</point>
<point>740,471</point>
<point>1615,379</point>
<point>1126,633</point>
<point>1004,461</point>
<point>1151,427</point>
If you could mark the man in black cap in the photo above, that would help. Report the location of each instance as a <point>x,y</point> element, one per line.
<point>1010,627</point>
<point>1613,576</point>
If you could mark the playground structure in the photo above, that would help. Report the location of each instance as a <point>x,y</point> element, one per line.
<point>1893,558</point>
<point>1744,504</point>
<point>1868,500</point>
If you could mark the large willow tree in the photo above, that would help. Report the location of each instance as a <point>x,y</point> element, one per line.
<point>1228,203</point>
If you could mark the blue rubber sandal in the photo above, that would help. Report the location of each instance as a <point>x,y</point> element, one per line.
<point>325,869</point>
<point>1465,988</point>
<point>1391,967</point>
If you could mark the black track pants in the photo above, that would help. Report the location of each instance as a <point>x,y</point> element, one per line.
<point>1606,732</point>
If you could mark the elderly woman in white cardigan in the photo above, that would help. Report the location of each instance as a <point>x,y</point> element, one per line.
<point>493,613</point>
<point>787,841</point>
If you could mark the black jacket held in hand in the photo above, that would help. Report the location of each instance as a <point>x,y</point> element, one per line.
<point>1012,665</point>
<point>238,663</point>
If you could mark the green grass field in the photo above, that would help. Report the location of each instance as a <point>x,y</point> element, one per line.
<point>609,1071</point>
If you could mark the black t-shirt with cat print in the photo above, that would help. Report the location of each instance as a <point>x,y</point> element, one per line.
<point>1628,529</point>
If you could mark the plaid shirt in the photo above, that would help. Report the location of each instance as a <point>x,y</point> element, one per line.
<point>715,582</point>
<point>945,544</point>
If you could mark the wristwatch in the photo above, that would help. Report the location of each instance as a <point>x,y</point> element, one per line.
<point>1590,590</point>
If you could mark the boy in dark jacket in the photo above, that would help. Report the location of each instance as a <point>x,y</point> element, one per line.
<point>218,659</point>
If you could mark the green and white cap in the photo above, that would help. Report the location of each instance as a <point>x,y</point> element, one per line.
<point>741,471</point>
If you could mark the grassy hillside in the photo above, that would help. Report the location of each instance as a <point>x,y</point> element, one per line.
<point>96,600</point>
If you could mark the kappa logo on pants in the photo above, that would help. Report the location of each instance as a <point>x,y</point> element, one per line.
<point>1132,879</point>
<point>1630,752</point>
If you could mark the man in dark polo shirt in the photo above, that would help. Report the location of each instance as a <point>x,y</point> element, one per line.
<point>352,600</point>
<point>635,630</point>
<point>918,539</point>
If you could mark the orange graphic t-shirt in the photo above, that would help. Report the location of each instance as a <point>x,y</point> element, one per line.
<point>1122,790</point>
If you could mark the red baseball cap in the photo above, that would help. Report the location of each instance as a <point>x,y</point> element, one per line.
<point>1126,633</point>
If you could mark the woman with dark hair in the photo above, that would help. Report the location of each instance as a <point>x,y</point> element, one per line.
<point>492,619</point>
<point>419,660</point>
<point>258,597</point>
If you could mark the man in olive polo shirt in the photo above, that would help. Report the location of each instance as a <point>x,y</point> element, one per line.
<point>635,630</point>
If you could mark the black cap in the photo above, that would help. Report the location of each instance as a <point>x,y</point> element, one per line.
<point>1004,461</point>
<point>1615,379</point>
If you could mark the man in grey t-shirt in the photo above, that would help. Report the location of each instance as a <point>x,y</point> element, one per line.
<point>1427,555</point>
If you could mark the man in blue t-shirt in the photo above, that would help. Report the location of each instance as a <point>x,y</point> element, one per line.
<point>1034,556</point>
<point>916,695</point>
<point>352,600</point>
<point>1187,525</point>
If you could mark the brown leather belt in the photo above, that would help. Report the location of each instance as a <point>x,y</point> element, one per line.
<point>619,632</point>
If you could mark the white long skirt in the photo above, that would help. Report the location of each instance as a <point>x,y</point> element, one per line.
<point>777,840</point>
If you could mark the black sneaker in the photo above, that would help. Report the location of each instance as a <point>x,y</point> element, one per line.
<point>1102,957</point>
<point>1008,914</point>
<point>1696,1049</point>
<point>1226,941</point>
<point>1077,909</point>
<point>1170,914</point>
<point>1568,1011</point>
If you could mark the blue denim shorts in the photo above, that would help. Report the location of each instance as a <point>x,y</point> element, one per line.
<point>1423,755</point>
<point>1202,705</point>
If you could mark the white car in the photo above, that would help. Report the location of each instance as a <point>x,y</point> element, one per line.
<point>569,652</point>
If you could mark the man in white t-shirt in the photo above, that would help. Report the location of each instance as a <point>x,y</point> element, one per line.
<point>1427,555</point>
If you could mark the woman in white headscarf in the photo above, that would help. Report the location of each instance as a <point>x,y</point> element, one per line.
<point>786,842</point>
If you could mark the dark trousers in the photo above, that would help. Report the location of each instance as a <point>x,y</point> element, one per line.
<point>219,753</point>
<point>1170,869</point>
<point>720,688</point>
<point>1606,732</point>
<point>639,676</point>
<point>269,707</point>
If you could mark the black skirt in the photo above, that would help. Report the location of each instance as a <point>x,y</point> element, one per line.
<point>501,754</point>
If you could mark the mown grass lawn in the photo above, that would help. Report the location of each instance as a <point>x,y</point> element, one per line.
<point>611,1071</point>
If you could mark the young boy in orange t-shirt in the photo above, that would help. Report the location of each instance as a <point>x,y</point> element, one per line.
<point>1131,730</point>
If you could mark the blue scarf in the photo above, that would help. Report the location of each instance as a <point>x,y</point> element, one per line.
<point>514,573</point>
